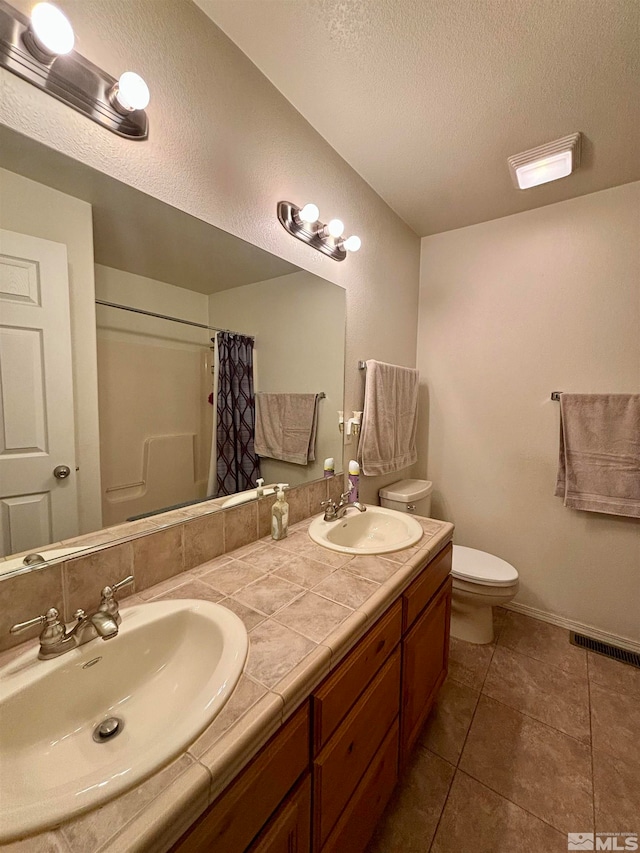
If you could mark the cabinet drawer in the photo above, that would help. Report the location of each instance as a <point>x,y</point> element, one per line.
<point>289,830</point>
<point>334,698</point>
<point>341,764</point>
<point>356,824</point>
<point>238,815</point>
<point>417,596</point>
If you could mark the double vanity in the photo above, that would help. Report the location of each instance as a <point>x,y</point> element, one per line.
<point>170,736</point>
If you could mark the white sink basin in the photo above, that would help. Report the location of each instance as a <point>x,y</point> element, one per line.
<point>166,675</point>
<point>376,531</point>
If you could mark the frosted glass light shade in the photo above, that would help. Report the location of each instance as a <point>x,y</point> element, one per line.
<point>131,92</point>
<point>335,228</point>
<point>309,214</point>
<point>353,243</point>
<point>51,30</point>
<point>546,162</point>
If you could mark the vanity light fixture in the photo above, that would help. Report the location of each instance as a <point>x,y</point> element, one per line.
<point>304,223</point>
<point>40,50</point>
<point>546,162</point>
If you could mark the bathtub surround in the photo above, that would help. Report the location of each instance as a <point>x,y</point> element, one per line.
<point>511,310</point>
<point>159,548</point>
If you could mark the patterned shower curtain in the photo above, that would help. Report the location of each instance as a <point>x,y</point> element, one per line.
<point>237,464</point>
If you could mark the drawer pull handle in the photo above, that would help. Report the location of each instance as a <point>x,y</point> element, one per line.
<point>381,646</point>
<point>350,749</point>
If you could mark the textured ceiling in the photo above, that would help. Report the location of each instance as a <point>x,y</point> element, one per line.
<point>426,99</point>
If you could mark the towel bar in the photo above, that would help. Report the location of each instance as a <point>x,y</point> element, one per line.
<point>555,395</point>
<point>362,365</point>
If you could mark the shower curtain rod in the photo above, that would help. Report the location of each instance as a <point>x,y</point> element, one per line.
<point>166,317</point>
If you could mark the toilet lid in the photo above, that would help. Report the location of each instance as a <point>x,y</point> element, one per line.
<point>472,565</point>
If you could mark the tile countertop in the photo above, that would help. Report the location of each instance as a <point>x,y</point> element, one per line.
<point>304,607</point>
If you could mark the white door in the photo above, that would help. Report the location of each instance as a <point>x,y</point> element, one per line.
<point>36,395</point>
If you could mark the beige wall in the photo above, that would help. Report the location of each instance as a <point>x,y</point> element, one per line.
<point>225,146</point>
<point>154,378</point>
<point>298,321</point>
<point>31,208</point>
<point>510,311</point>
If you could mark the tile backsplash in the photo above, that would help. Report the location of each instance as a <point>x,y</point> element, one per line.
<point>178,541</point>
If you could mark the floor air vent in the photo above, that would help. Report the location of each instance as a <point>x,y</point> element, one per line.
<point>632,658</point>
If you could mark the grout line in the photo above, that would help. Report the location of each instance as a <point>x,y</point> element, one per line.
<point>536,720</point>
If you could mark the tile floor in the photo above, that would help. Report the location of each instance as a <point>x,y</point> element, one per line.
<point>530,738</point>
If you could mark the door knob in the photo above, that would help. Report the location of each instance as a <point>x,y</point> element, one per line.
<point>61,472</point>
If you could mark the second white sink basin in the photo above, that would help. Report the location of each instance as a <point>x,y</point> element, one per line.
<point>376,531</point>
<point>165,676</point>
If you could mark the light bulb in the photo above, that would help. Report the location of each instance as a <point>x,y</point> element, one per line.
<point>51,30</point>
<point>335,228</point>
<point>352,244</point>
<point>130,93</point>
<point>309,214</point>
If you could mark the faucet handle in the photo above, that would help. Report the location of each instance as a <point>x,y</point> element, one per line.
<point>50,617</point>
<point>344,497</point>
<point>108,603</point>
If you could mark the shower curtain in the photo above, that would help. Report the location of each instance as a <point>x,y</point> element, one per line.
<point>237,465</point>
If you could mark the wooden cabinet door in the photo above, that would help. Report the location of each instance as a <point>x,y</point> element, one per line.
<point>289,830</point>
<point>425,654</point>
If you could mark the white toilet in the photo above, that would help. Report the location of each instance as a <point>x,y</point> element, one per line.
<point>480,580</point>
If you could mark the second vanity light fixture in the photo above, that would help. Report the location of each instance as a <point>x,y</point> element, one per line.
<point>40,50</point>
<point>304,223</point>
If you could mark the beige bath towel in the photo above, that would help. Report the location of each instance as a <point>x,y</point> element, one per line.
<point>390,419</point>
<point>599,460</point>
<point>286,426</point>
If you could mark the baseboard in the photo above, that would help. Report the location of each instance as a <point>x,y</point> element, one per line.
<point>578,627</point>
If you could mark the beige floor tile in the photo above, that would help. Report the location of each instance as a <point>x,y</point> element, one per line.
<point>549,694</point>
<point>313,616</point>
<point>538,768</point>
<point>616,785</point>
<point>274,650</point>
<point>543,642</point>
<point>477,820</point>
<point>268,594</point>
<point>614,675</point>
<point>469,663</point>
<point>346,588</point>
<point>410,820</point>
<point>615,723</point>
<point>446,729</point>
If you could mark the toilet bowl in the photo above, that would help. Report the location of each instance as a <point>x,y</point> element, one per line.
<point>481,581</point>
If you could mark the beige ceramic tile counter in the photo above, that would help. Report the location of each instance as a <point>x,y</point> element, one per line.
<point>304,608</point>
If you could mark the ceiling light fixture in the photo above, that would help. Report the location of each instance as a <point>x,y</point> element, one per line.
<point>546,163</point>
<point>304,224</point>
<point>40,50</point>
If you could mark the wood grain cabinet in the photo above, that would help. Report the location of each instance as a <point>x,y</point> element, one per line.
<point>322,782</point>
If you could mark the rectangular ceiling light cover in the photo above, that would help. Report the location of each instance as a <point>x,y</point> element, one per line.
<point>546,162</point>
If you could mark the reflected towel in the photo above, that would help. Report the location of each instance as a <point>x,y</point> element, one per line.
<point>390,419</point>
<point>286,426</point>
<point>599,458</point>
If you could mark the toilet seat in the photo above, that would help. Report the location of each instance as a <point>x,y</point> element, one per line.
<point>481,568</point>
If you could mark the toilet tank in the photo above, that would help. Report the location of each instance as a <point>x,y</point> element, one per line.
<point>408,496</point>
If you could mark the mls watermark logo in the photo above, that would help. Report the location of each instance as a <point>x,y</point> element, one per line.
<point>602,841</point>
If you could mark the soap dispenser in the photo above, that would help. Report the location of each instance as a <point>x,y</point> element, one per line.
<point>280,514</point>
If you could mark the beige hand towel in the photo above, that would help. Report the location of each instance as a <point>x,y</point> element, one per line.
<point>286,426</point>
<point>599,459</point>
<point>390,419</point>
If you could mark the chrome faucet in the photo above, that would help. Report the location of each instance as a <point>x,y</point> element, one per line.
<point>103,622</point>
<point>333,512</point>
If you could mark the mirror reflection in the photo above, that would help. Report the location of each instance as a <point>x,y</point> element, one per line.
<point>148,360</point>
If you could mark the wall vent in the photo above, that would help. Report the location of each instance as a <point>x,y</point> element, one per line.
<point>623,655</point>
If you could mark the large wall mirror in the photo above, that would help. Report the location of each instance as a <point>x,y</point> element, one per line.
<point>134,340</point>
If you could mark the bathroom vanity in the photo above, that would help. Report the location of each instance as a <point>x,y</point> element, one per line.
<point>323,780</point>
